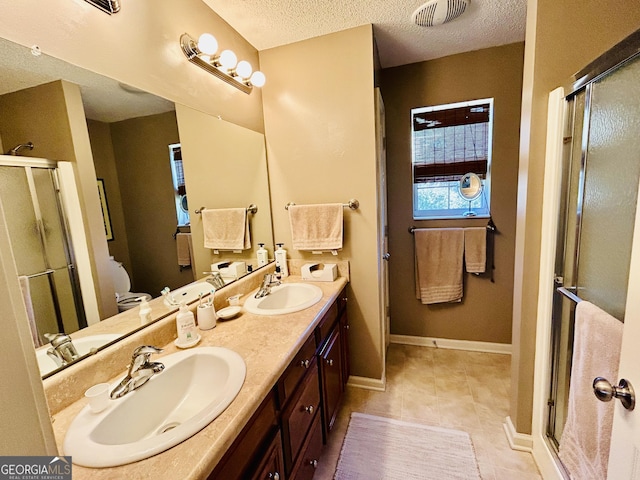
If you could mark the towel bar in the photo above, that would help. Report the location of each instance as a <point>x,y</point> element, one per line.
<point>353,204</point>
<point>570,295</point>
<point>253,208</point>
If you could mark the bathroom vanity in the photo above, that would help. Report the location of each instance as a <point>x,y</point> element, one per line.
<point>297,366</point>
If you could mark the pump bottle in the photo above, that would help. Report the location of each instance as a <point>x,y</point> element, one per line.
<point>281,260</point>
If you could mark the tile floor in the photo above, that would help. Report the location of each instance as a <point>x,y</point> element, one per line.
<point>448,388</point>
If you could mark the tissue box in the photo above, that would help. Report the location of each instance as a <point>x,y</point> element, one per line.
<point>230,269</point>
<point>318,272</point>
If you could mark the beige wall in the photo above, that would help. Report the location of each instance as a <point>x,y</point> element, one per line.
<point>225,166</point>
<point>319,124</point>
<point>141,151</point>
<point>140,46</point>
<point>105,164</point>
<point>562,38</point>
<point>485,312</point>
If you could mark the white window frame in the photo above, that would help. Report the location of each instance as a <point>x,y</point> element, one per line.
<point>481,206</point>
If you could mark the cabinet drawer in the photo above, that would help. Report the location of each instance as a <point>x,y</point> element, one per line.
<point>310,456</point>
<point>296,370</point>
<point>299,415</point>
<point>326,324</point>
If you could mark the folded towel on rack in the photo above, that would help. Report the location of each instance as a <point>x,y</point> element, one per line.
<point>475,249</point>
<point>184,247</point>
<point>316,227</point>
<point>584,446</point>
<point>226,229</point>
<point>438,264</point>
<point>26,297</point>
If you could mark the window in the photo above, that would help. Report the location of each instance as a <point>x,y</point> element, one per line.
<point>447,142</point>
<point>179,189</point>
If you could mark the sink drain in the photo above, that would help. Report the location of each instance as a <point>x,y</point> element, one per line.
<point>167,427</point>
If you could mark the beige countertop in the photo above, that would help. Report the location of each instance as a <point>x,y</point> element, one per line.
<point>266,343</point>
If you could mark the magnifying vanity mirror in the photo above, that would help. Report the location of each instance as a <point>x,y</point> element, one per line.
<point>130,137</point>
<point>470,188</point>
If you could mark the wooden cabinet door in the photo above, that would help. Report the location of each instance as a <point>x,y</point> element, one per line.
<point>272,467</point>
<point>331,377</point>
<point>344,346</point>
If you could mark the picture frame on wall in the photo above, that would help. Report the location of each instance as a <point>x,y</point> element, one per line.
<point>105,210</point>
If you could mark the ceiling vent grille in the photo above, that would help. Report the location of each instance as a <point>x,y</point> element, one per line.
<point>437,12</point>
<point>108,6</point>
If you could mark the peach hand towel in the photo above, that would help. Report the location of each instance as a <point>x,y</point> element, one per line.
<point>475,249</point>
<point>184,248</point>
<point>439,253</point>
<point>584,446</point>
<point>316,227</point>
<point>226,229</point>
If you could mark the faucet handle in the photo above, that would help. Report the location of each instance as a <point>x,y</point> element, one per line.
<point>145,350</point>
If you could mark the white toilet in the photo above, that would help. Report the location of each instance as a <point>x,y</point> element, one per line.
<point>122,283</point>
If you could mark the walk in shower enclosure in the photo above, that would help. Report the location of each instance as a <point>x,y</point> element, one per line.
<point>38,230</point>
<point>601,171</point>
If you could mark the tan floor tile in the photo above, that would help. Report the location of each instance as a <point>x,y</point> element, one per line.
<point>468,391</point>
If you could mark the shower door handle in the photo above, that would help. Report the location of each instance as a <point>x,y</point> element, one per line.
<point>604,391</point>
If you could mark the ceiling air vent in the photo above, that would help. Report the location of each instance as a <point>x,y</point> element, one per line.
<point>109,6</point>
<point>437,12</point>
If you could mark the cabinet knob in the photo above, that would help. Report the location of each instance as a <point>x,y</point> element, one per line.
<point>309,409</point>
<point>274,476</point>
<point>305,363</point>
<point>313,463</point>
<point>347,327</point>
<point>330,362</point>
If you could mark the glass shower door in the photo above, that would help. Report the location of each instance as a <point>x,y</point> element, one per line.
<point>601,176</point>
<point>41,248</point>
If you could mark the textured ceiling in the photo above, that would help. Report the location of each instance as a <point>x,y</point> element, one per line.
<point>271,23</point>
<point>104,99</point>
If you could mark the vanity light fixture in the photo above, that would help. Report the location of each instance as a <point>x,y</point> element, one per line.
<point>225,65</point>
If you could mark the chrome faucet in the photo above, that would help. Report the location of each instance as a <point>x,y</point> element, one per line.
<point>268,281</point>
<point>140,371</point>
<point>215,279</point>
<point>62,350</point>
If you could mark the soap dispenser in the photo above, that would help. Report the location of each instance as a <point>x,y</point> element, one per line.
<point>186,326</point>
<point>281,260</point>
<point>263,255</point>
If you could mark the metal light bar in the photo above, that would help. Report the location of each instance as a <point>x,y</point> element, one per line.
<point>190,49</point>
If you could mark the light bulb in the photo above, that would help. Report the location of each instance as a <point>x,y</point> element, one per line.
<point>258,79</point>
<point>244,69</point>
<point>207,44</point>
<point>228,59</point>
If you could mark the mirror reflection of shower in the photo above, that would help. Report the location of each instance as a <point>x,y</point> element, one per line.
<point>15,150</point>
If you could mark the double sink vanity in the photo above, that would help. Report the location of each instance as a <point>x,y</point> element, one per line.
<point>256,398</point>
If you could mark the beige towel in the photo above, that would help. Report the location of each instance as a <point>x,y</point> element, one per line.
<point>439,253</point>
<point>26,296</point>
<point>475,249</point>
<point>316,227</point>
<point>226,229</point>
<point>184,247</point>
<point>584,446</point>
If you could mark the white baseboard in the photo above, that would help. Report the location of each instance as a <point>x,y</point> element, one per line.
<point>488,347</point>
<point>517,441</point>
<point>367,383</point>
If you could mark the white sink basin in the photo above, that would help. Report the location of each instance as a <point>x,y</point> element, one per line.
<point>83,346</point>
<point>285,298</point>
<point>195,387</point>
<point>188,293</point>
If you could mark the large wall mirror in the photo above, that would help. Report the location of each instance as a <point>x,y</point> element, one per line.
<point>136,141</point>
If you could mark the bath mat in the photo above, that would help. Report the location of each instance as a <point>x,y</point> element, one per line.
<point>384,448</point>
